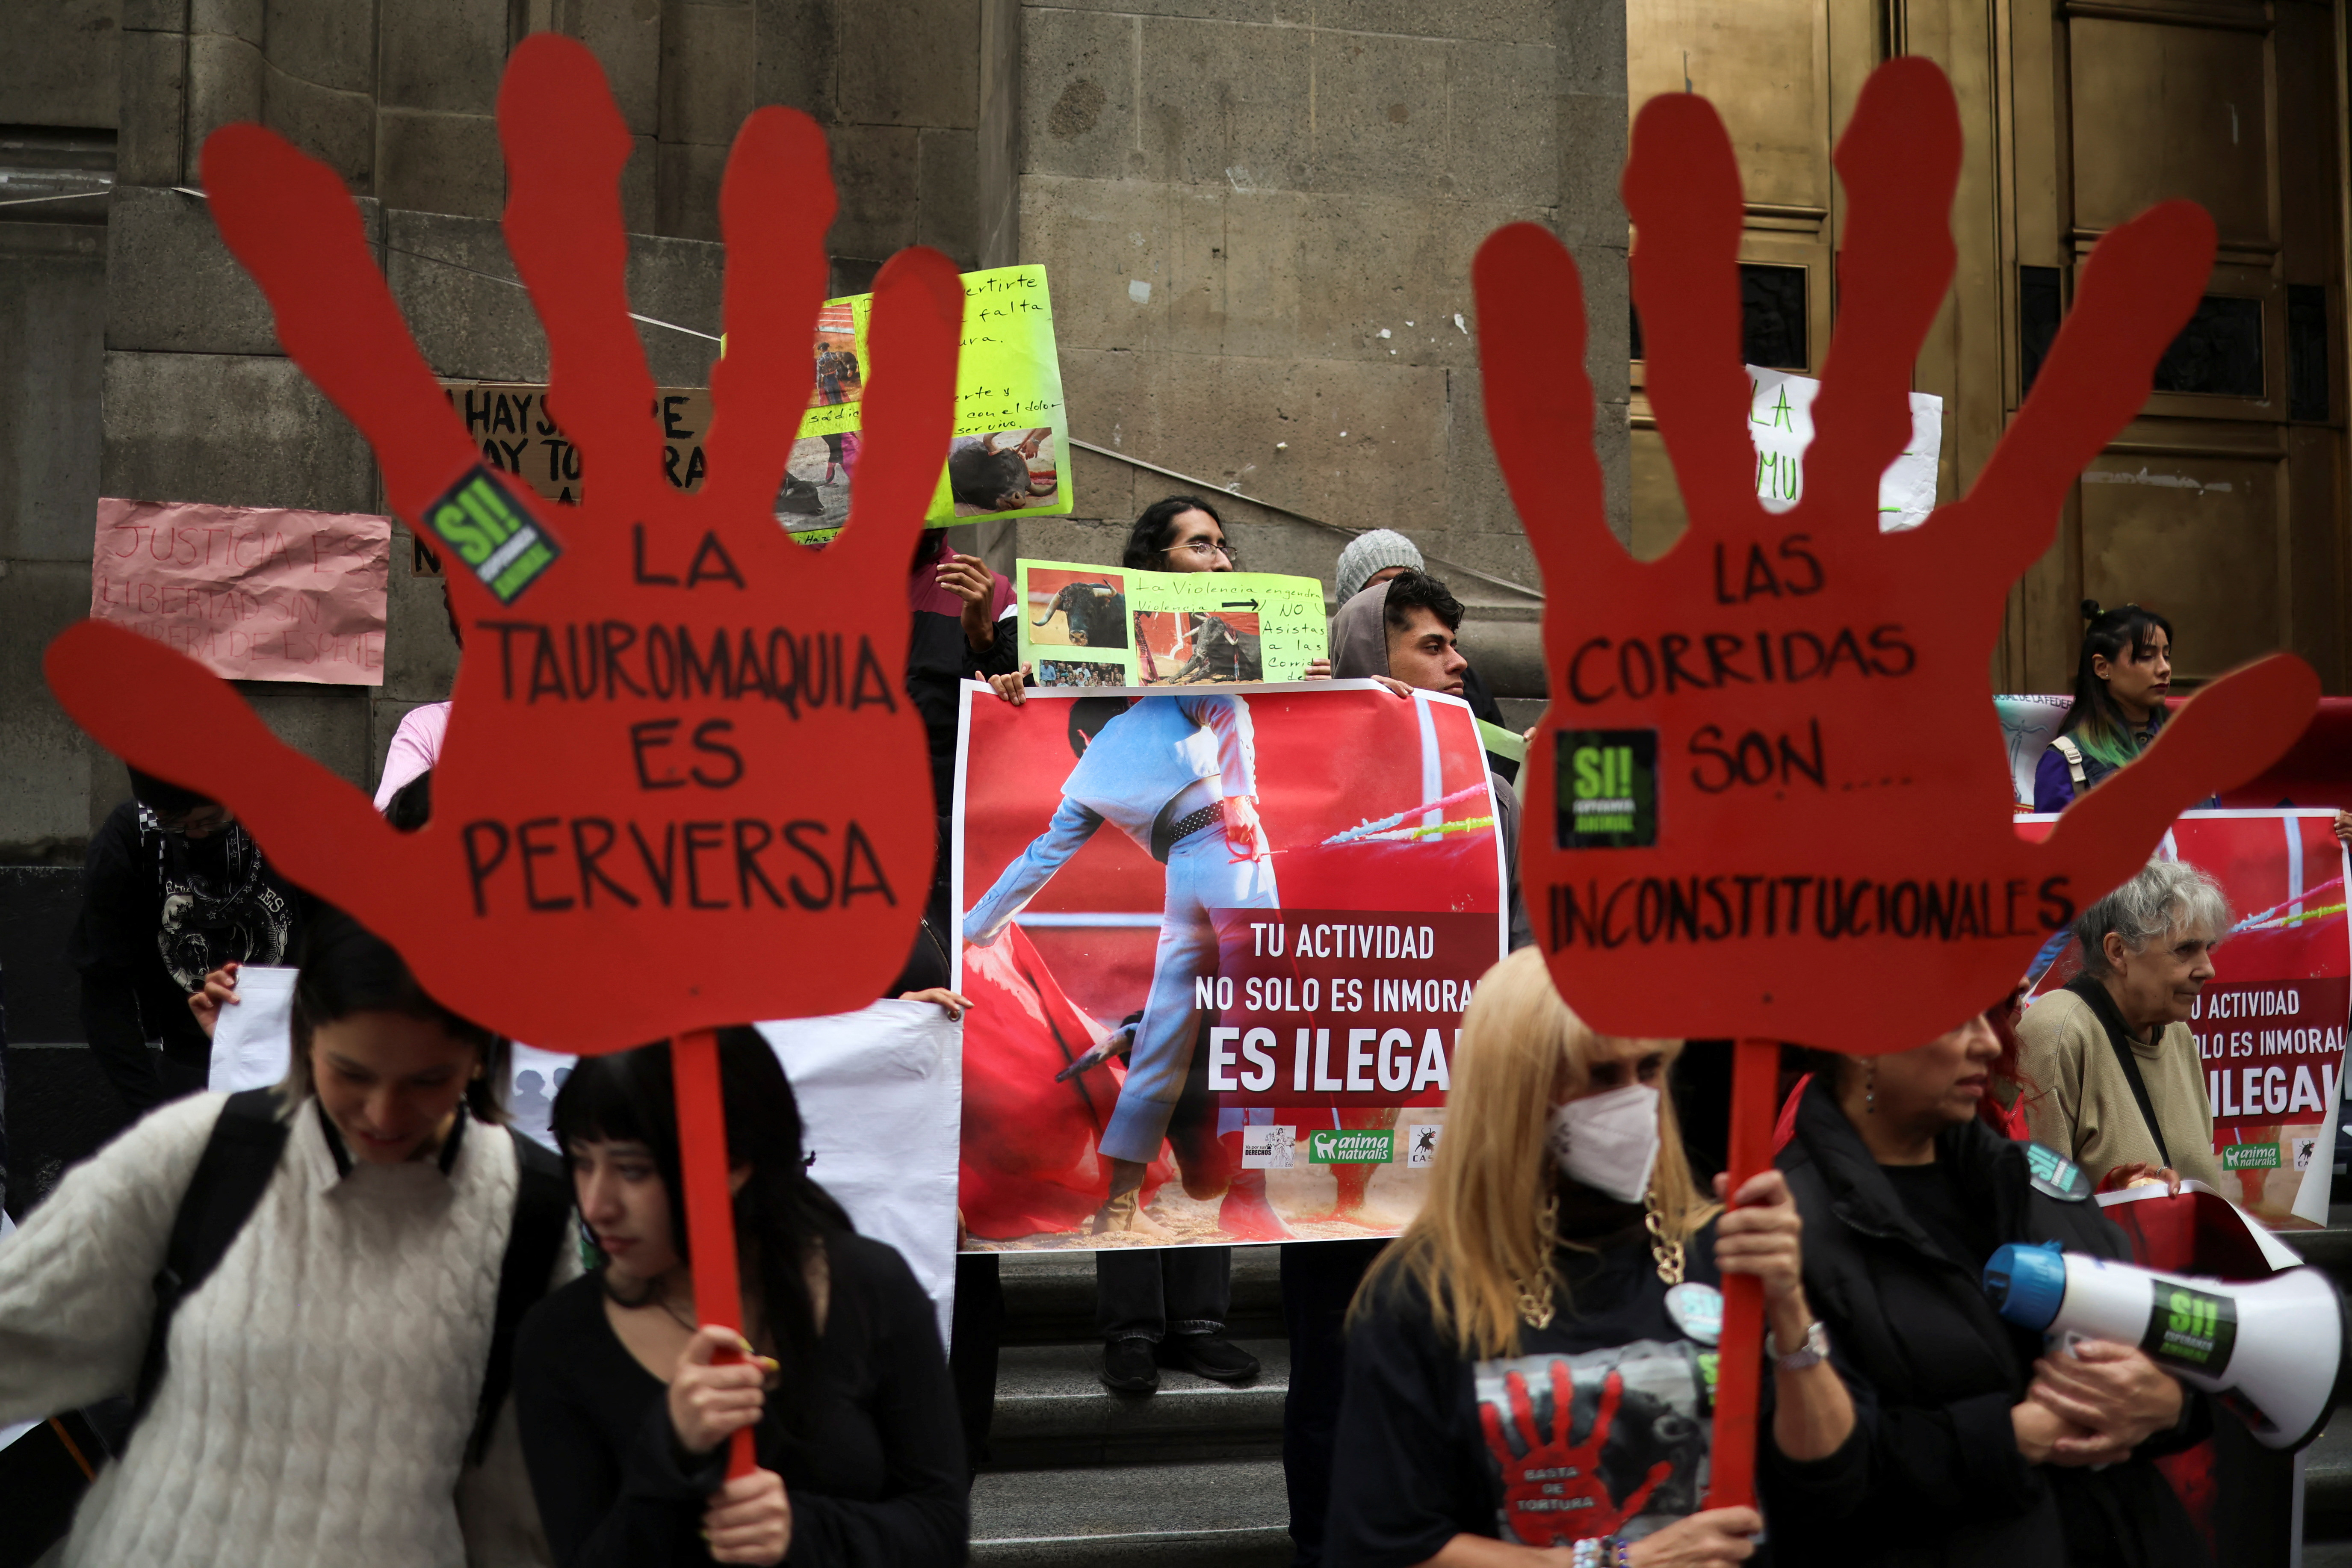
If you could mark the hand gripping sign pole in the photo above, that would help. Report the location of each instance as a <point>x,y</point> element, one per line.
<point>648,673</point>
<point>1776,763</point>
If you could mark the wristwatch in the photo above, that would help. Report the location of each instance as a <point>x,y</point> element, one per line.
<point>1812,1352</point>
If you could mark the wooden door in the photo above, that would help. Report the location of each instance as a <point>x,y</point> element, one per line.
<point>2224,504</point>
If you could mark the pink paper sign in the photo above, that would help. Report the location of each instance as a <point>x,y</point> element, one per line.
<point>249,593</point>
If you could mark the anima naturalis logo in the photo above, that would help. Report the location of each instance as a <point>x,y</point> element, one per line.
<point>1374,1146</point>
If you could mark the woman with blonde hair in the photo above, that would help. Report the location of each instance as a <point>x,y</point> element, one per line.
<point>1532,1365</point>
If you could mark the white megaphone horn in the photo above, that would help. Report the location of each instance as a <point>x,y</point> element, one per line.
<point>2273,1350</point>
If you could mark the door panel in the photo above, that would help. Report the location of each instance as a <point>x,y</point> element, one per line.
<point>2195,536</point>
<point>2163,111</point>
<point>2224,503</point>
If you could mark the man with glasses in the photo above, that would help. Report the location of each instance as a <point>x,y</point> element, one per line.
<point>174,890</point>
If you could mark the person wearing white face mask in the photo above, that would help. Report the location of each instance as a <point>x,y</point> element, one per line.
<point>1532,1365</point>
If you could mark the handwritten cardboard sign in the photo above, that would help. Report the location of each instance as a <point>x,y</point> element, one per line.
<point>1769,798</point>
<point>682,787</point>
<point>1780,425</point>
<point>511,421</point>
<point>1009,454</point>
<point>249,593</point>
<point>1098,626</point>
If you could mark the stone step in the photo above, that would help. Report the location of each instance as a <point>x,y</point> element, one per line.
<point>1226,1514</point>
<point>2327,1483</point>
<point>1049,1297</point>
<point>1052,1410</point>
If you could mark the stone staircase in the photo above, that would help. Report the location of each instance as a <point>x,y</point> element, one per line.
<point>2327,1463</point>
<point>1191,1477</point>
<point>1186,1477</point>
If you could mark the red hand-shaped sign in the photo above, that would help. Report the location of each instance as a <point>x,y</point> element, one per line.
<point>1553,1491</point>
<point>682,786</point>
<point>1782,796</point>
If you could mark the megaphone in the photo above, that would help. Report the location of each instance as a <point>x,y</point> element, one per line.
<point>2273,1350</point>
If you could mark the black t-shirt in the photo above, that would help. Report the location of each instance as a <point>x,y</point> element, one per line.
<point>1433,1443</point>
<point>160,911</point>
<point>876,1477</point>
<point>1930,1195</point>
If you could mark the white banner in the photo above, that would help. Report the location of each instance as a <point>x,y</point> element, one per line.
<point>1780,424</point>
<point>880,1093</point>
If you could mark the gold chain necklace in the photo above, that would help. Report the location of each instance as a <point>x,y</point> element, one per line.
<point>1535,1309</point>
<point>1669,1254</point>
<point>1535,1294</point>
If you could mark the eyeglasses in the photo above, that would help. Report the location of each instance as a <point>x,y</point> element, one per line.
<point>1203,549</point>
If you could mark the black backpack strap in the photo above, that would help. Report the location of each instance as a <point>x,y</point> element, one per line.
<point>2118,1039</point>
<point>233,1170</point>
<point>542,1217</point>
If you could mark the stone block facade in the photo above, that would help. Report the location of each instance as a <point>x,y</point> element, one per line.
<point>1257,215</point>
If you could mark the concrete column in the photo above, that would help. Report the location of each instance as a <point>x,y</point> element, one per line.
<point>1259,218</point>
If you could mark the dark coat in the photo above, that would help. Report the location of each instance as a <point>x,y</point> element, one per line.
<point>1947,1485</point>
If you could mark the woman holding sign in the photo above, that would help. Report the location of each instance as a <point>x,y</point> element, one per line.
<point>1534,1358</point>
<point>627,1405</point>
<point>300,1289</point>
<point>1983,1448</point>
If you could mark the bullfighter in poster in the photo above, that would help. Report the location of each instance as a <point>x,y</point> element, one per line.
<point>1179,775</point>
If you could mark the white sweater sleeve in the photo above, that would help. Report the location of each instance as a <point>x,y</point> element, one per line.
<point>77,1282</point>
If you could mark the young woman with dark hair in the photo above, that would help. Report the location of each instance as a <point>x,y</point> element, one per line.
<point>627,1410</point>
<point>321,1386</point>
<point>1180,534</point>
<point>2120,685</point>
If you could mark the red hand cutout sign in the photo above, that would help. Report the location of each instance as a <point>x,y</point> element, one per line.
<point>1783,799</point>
<point>1553,1489</point>
<point>682,786</point>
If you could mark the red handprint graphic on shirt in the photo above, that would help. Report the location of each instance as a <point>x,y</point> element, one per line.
<point>682,786</point>
<point>1782,799</point>
<point>1553,1490</point>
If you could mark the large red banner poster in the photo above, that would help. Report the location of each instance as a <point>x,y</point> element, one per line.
<point>2270,1024</point>
<point>1293,1008</point>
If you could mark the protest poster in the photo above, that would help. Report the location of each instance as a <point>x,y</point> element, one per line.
<point>2028,725</point>
<point>1293,1010</point>
<point>1748,733</point>
<point>715,654</point>
<point>1780,426</point>
<point>249,593</point>
<point>511,421</point>
<point>878,1092</point>
<point>2270,1023</point>
<point>1008,456</point>
<point>1104,626</point>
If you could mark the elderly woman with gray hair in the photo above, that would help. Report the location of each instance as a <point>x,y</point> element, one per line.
<point>2116,1083</point>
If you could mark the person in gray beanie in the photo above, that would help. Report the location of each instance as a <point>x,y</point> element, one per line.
<point>1373,557</point>
<point>1378,555</point>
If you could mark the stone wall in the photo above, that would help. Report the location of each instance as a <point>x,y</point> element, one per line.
<point>1258,216</point>
<point>137,359</point>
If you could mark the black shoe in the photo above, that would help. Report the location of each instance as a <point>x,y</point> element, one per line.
<point>1209,1355</point>
<point>1127,1366</point>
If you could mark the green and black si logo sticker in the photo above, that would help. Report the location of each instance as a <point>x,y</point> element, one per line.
<point>1608,789</point>
<point>480,520</point>
<point>2190,1329</point>
<point>2055,1175</point>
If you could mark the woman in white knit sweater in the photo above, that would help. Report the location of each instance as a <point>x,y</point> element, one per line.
<point>322,1382</point>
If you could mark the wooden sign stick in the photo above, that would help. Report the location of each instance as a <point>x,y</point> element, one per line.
<point>709,1206</point>
<point>1739,1363</point>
